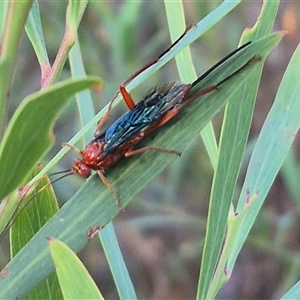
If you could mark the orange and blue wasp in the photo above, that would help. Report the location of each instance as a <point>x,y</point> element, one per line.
<point>161,104</point>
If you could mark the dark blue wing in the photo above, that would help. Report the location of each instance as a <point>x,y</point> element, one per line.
<point>146,113</point>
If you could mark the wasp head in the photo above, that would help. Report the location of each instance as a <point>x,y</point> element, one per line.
<point>80,168</point>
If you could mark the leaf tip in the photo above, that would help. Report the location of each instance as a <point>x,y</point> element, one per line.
<point>283,32</point>
<point>50,239</point>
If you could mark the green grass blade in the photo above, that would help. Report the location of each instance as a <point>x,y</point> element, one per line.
<point>29,221</point>
<point>84,98</point>
<point>293,293</point>
<point>116,262</point>
<point>3,11</point>
<point>16,16</point>
<point>290,172</point>
<point>237,121</point>
<point>74,14</point>
<point>272,146</point>
<point>187,73</point>
<point>74,279</point>
<point>35,34</point>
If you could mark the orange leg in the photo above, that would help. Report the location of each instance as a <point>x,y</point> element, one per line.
<point>107,184</point>
<point>72,147</point>
<point>153,61</point>
<point>105,117</point>
<point>126,96</point>
<point>128,100</point>
<point>173,112</point>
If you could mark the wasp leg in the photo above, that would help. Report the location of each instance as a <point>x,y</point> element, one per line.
<point>107,184</point>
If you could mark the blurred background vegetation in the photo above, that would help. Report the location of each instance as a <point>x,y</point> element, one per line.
<point>159,232</point>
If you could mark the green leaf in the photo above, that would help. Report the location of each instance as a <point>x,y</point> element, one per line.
<point>34,216</point>
<point>293,293</point>
<point>116,262</point>
<point>3,11</point>
<point>234,135</point>
<point>195,32</point>
<point>74,13</point>
<point>290,171</point>
<point>30,131</point>
<point>94,206</point>
<point>36,213</point>
<point>187,73</point>
<point>84,98</point>
<point>15,19</point>
<point>35,34</point>
<point>273,144</point>
<point>74,279</point>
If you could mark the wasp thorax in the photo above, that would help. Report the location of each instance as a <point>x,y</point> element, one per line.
<point>92,152</point>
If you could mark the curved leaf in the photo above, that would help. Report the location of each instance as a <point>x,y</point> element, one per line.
<point>74,279</point>
<point>28,223</point>
<point>35,33</point>
<point>272,145</point>
<point>30,131</point>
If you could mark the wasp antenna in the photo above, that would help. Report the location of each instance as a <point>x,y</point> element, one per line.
<point>220,63</point>
<point>72,147</point>
<point>251,60</point>
<point>61,172</point>
<point>70,172</point>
